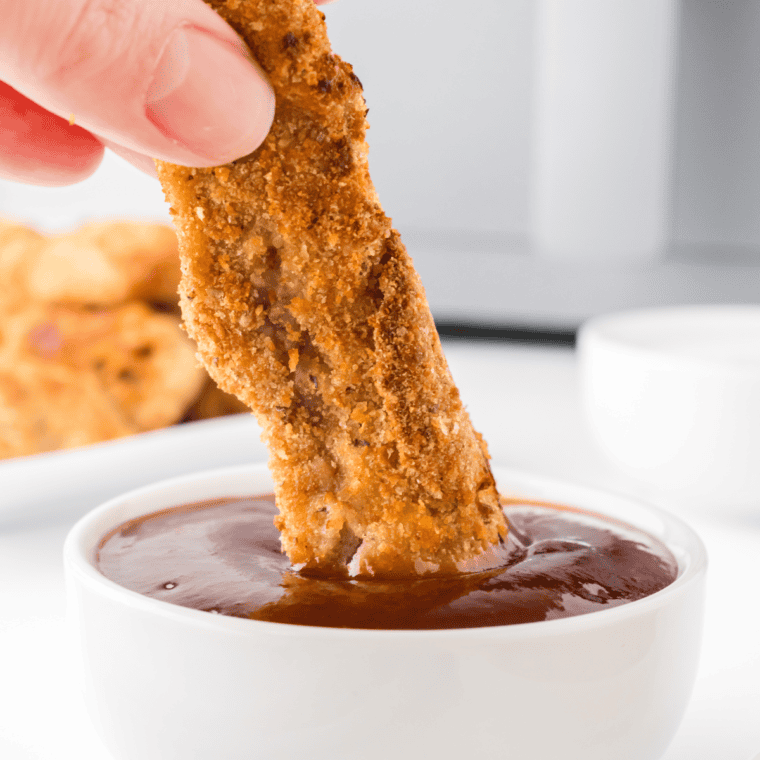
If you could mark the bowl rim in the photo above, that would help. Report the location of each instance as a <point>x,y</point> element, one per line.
<point>78,554</point>
<point>617,331</point>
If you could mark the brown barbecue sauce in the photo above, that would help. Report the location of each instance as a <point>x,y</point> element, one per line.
<point>224,557</point>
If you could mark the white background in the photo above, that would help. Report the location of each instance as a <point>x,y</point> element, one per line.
<point>450,88</point>
<point>451,91</point>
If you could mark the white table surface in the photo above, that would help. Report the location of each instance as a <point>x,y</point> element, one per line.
<point>523,399</point>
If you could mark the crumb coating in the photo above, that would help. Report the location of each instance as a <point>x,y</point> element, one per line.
<point>304,303</point>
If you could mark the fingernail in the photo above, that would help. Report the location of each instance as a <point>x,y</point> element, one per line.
<point>209,97</point>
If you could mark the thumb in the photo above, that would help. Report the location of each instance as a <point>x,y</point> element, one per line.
<point>166,78</point>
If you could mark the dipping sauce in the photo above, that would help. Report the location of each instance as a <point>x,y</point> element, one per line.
<point>224,557</point>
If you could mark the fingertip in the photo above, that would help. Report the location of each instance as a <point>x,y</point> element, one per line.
<point>35,170</point>
<point>170,80</point>
<point>209,98</point>
<point>39,148</point>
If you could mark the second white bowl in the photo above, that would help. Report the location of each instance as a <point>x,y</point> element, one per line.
<point>673,397</point>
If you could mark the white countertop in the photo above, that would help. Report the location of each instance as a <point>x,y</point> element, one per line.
<point>525,402</point>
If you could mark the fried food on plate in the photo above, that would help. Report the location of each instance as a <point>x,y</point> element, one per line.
<point>106,264</point>
<point>44,407</point>
<point>214,402</point>
<point>18,246</point>
<point>131,361</point>
<point>85,353</point>
<point>305,305</point>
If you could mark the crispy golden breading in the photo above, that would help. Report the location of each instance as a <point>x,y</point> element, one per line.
<point>100,264</point>
<point>305,304</point>
<point>18,246</point>
<point>84,356</point>
<point>44,407</point>
<point>106,264</point>
<point>214,402</point>
<point>137,361</point>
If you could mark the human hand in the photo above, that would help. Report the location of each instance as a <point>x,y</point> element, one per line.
<point>164,79</point>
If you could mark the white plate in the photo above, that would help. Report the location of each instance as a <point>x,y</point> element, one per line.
<point>66,484</point>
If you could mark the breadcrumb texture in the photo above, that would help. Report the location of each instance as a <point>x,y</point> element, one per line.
<point>90,342</point>
<point>305,305</point>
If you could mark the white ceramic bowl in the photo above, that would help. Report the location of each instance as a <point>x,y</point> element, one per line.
<point>165,682</point>
<point>673,397</point>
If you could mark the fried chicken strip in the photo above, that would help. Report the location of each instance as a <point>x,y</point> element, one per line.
<point>305,305</point>
<point>106,264</point>
<point>70,377</point>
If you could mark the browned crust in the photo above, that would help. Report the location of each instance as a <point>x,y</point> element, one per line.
<point>84,355</point>
<point>305,304</point>
<point>70,377</point>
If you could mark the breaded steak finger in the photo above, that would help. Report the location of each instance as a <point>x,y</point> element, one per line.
<point>305,304</point>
